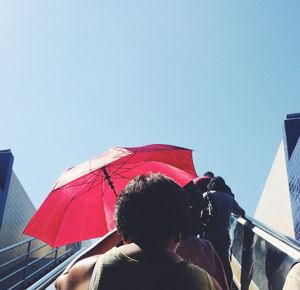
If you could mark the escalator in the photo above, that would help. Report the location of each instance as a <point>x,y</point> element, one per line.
<point>261,257</point>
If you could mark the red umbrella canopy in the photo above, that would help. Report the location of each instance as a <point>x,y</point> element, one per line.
<point>81,203</point>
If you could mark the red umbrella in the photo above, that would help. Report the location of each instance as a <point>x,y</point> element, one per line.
<point>81,203</point>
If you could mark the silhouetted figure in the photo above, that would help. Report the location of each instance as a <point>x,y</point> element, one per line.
<point>200,251</point>
<point>195,190</point>
<point>218,231</point>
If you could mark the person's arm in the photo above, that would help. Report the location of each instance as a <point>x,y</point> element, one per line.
<point>79,275</point>
<point>236,209</point>
<point>109,241</point>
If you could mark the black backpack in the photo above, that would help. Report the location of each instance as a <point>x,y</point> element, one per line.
<point>208,213</point>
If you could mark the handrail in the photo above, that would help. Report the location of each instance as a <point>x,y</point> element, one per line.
<point>26,266</point>
<point>23,255</point>
<point>29,273</point>
<point>260,256</point>
<point>13,260</point>
<point>289,241</point>
<point>64,253</point>
<point>50,277</point>
<point>33,274</point>
<point>16,245</point>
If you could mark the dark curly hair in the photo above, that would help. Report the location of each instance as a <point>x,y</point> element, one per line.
<point>151,209</point>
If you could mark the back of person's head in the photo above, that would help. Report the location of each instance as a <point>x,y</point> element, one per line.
<point>151,209</point>
<point>217,183</point>
<point>209,174</point>
<point>201,183</point>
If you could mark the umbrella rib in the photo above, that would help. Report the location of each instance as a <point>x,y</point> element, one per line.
<point>137,165</point>
<point>119,167</point>
<point>92,174</point>
<point>113,173</point>
<point>124,162</point>
<point>98,173</point>
<point>74,197</point>
<point>105,183</point>
<point>93,182</point>
<point>116,173</point>
<point>92,185</point>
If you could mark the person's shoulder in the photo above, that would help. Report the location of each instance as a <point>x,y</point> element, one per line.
<point>78,276</point>
<point>200,277</point>
<point>193,241</point>
<point>195,271</point>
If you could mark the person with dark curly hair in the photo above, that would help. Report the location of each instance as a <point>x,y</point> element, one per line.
<point>150,214</point>
<point>151,209</point>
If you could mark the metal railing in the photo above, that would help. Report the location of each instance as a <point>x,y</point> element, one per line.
<point>25,262</point>
<point>50,277</point>
<point>261,257</point>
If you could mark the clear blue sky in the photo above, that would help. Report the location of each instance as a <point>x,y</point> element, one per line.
<point>79,77</point>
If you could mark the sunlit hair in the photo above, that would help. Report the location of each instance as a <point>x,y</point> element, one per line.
<point>151,209</point>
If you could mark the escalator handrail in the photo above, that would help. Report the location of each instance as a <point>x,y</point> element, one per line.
<point>252,222</point>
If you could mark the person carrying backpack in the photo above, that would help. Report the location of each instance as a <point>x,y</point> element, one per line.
<point>195,190</point>
<point>221,201</point>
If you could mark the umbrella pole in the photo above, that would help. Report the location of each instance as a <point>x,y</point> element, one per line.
<point>107,177</point>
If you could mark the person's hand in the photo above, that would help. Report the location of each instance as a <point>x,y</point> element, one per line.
<point>242,214</point>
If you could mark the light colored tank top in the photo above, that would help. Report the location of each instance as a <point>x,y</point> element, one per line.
<point>115,271</point>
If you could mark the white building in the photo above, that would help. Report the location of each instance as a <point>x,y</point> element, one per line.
<point>279,205</point>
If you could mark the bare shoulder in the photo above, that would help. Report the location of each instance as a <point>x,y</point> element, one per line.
<point>78,277</point>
